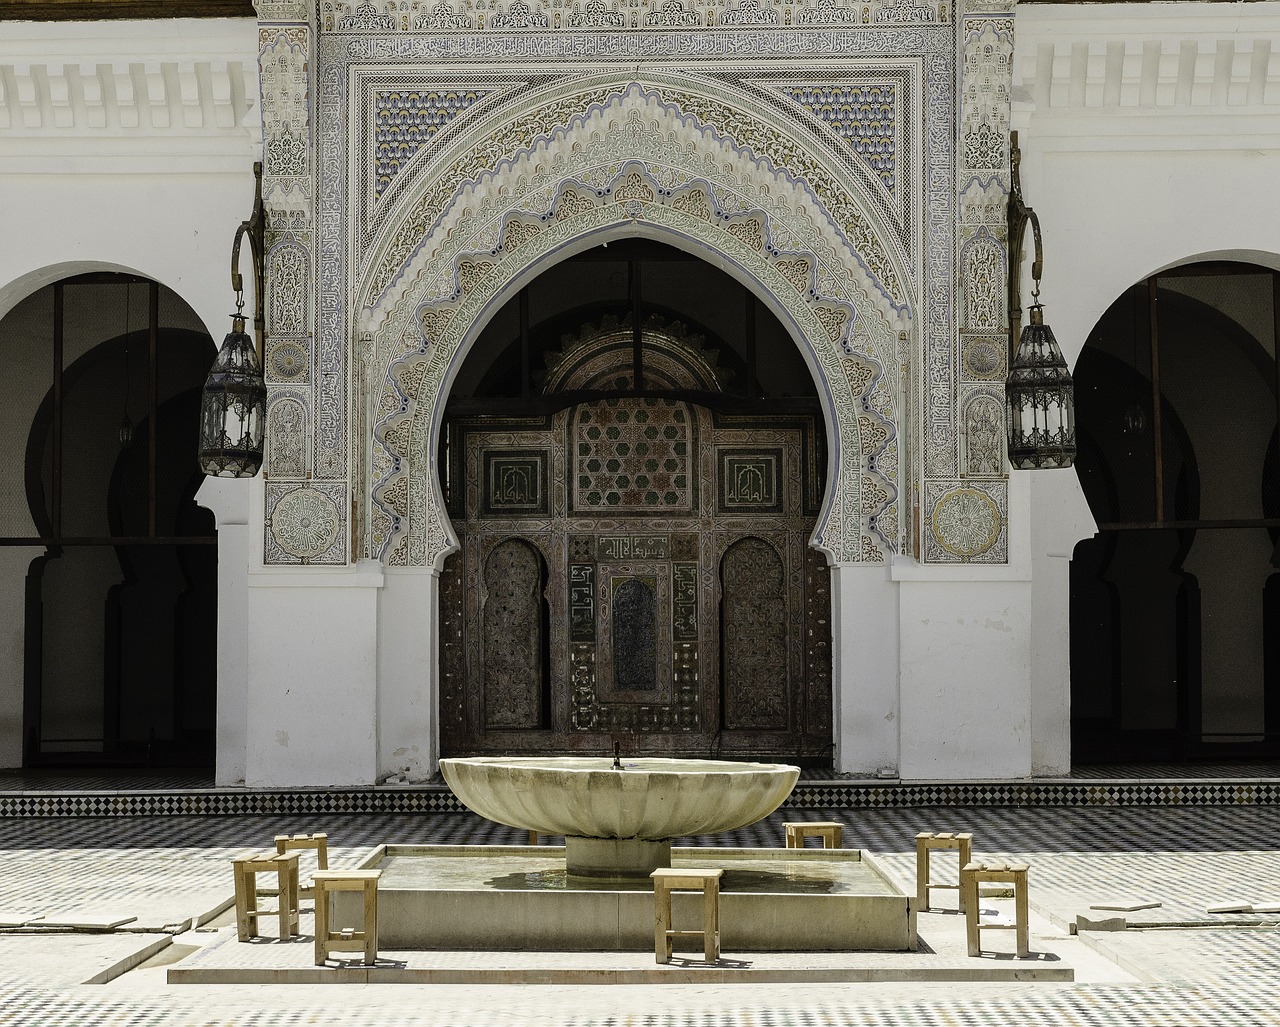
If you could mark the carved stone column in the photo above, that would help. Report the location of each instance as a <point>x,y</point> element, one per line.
<point>304,465</point>
<point>966,516</point>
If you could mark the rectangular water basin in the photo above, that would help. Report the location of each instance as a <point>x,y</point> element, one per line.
<point>498,897</point>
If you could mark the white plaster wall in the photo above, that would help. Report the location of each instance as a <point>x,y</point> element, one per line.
<point>864,656</point>
<point>232,501</point>
<point>1059,518</point>
<point>965,692</point>
<point>1127,183</point>
<point>966,662</point>
<point>312,682</point>
<point>408,673</point>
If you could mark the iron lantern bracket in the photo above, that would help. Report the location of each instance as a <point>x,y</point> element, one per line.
<point>1019,215</point>
<point>256,230</point>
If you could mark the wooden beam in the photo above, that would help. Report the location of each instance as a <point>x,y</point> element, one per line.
<point>108,10</point>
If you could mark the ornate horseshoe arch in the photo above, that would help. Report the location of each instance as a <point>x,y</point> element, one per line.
<point>608,159</point>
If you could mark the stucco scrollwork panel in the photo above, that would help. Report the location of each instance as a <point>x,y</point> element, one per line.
<point>286,437</point>
<point>984,433</point>
<point>685,127</point>
<point>283,62</point>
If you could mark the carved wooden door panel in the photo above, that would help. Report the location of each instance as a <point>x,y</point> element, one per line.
<point>636,568</point>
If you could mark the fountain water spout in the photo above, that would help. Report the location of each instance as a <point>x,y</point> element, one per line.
<point>617,748</point>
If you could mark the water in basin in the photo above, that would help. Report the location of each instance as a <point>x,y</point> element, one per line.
<point>535,872</point>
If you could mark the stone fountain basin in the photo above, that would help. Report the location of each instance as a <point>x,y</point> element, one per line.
<point>510,898</point>
<point>650,799</point>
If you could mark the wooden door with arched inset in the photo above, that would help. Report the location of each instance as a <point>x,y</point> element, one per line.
<point>634,559</point>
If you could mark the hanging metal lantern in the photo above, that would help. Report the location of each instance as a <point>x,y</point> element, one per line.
<point>233,409</point>
<point>233,405</point>
<point>1040,400</point>
<point>1039,392</point>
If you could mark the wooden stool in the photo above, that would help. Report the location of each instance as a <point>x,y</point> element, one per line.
<point>926,841</point>
<point>247,867</point>
<point>830,831</point>
<point>318,842</point>
<point>1005,873</point>
<point>669,879</point>
<point>348,939</point>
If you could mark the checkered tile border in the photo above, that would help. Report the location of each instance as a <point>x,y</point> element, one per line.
<point>863,795</point>
<point>808,794</point>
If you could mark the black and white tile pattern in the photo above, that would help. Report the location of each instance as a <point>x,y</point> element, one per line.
<point>1213,976</point>
<point>36,795</point>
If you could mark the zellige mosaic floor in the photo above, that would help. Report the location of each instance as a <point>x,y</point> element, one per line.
<point>168,870</point>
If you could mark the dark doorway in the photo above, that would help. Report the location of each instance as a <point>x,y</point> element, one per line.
<point>121,595</point>
<point>1173,603</point>
<point>634,462</point>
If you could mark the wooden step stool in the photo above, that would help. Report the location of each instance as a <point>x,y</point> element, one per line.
<point>319,842</point>
<point>926,842</point>
<point>669,879</point>
<point>247,867</point>
<point>348,939</point>
<point>830,831</point>
<point>1006,873</point>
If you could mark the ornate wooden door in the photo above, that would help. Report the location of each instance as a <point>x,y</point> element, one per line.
<point>636,567</point>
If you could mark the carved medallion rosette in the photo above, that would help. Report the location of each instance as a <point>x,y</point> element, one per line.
<point>968,525</point>
<point>305,524</point>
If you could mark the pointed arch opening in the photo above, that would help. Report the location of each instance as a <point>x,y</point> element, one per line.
<point>445,265</point>
<point>643,420</point>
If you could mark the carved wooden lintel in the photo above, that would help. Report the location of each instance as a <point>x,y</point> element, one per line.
<point>104,10</point>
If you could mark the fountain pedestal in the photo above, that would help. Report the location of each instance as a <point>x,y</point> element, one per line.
<point>615,858</point>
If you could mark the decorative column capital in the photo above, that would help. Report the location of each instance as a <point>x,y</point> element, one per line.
<point>286,10</point>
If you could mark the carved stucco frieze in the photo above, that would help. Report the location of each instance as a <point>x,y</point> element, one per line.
<point>379,16</point>
<point>728,174</point>
<point>307,426</point>
<point>964,523</point>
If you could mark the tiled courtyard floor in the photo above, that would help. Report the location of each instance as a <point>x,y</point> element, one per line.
<point>169,872</point>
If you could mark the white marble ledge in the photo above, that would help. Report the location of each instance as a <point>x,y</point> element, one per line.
<point>905,568</point>
<point>364,574</point>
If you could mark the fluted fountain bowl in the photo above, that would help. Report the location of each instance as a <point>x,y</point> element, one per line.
<point>635,810</point>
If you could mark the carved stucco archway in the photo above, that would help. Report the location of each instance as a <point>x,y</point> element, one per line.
<point>610,159</point>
